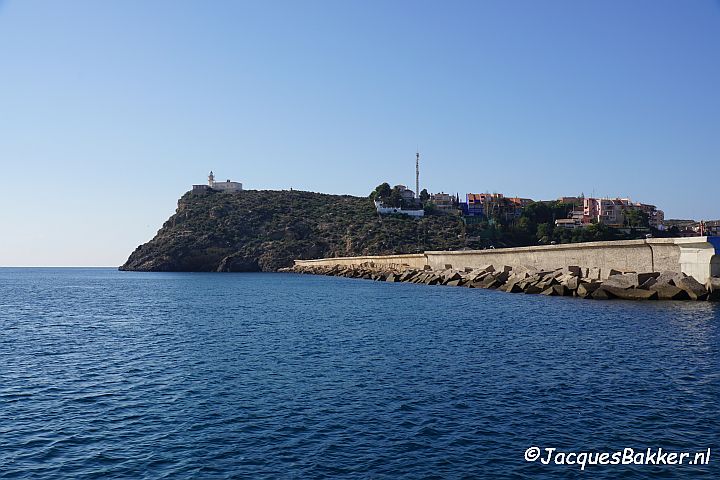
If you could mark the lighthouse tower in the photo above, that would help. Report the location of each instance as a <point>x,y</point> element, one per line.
<point>211,179</point>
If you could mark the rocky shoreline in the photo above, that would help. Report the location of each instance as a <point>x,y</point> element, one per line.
<point>571,281</point>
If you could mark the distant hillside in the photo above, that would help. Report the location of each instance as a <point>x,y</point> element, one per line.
<point>266,230</point>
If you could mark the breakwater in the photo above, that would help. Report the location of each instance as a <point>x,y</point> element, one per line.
<point>698,257</point>
<point>685,268</point>
<point>568,281</point>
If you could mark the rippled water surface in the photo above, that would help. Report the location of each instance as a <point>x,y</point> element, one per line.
<point>107,374</point>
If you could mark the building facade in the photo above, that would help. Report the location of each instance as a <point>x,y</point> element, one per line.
<point>443,201</point>
<point>568,223</point>
<point>613,212</point>
<point>227,186</point>
<point>405,193</point>
<point>493,205</point>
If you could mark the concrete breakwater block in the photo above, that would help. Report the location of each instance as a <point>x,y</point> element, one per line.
<point>694,289</point>
<point>670,292</point>
<point>557,291</point>
<point>585,290</point>
<point>629,293</point>
<point>569,281</point>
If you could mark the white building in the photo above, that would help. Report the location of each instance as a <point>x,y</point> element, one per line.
<point>383,210</point>
<point>226,186</point>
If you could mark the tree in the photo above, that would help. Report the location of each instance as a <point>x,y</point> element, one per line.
<point>381,192</point>
<point>424,196</point>
<point>598,232</point>
<point>429,208</point>
<point>544,232</point>
<point>635,218</point>
<point>523,225</point>
<point>394,199</point>
<point>546,212</point>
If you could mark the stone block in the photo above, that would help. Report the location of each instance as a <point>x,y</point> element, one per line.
<point>584,290</point>
<point>669,277</point>
<point>626,280</point>
<point>513,288</point>
<point>450,277</point>
<point>573,270</point>
<point>666,291</point>
<point>644,277</point>
<point>488,282</point>
<point>572,283</point>
<point>648,283</point>
<point>600,294</point>
<point>694,289</point>
<point>479,277</point>
<point>407,275</point>
<point>557,273</point>
<point>556,291</point>
<point>630,293</point>
<point>433,280</point>
<point>593,274</point>
<point>503,275</point>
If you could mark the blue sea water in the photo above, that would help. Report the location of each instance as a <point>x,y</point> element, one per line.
<point>107,374</point>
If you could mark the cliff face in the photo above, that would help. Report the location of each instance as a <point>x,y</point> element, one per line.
<point>265,230</point>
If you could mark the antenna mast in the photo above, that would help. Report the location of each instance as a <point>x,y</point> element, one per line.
<point>417,174</point>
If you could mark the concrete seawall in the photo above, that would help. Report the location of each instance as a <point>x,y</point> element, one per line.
<point>696,256</point>
<point>414,260</point>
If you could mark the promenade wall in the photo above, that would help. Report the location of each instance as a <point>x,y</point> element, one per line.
<point>696,256</point>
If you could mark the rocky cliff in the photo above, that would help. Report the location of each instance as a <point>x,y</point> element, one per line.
<point>264,230</point>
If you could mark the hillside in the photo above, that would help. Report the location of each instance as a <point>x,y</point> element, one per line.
<point>266,230</point>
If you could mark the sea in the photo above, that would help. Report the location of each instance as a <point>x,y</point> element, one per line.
<point>108,374</point>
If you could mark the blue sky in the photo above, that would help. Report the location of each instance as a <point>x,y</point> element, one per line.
<point>110,110</point>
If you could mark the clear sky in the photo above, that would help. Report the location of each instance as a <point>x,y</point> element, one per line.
<point>110,110</point>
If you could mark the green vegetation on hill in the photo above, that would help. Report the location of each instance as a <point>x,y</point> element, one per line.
<point>265,230</point>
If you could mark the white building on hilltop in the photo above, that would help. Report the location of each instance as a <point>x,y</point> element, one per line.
<point>226,186</point>
<point>383,210</point>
